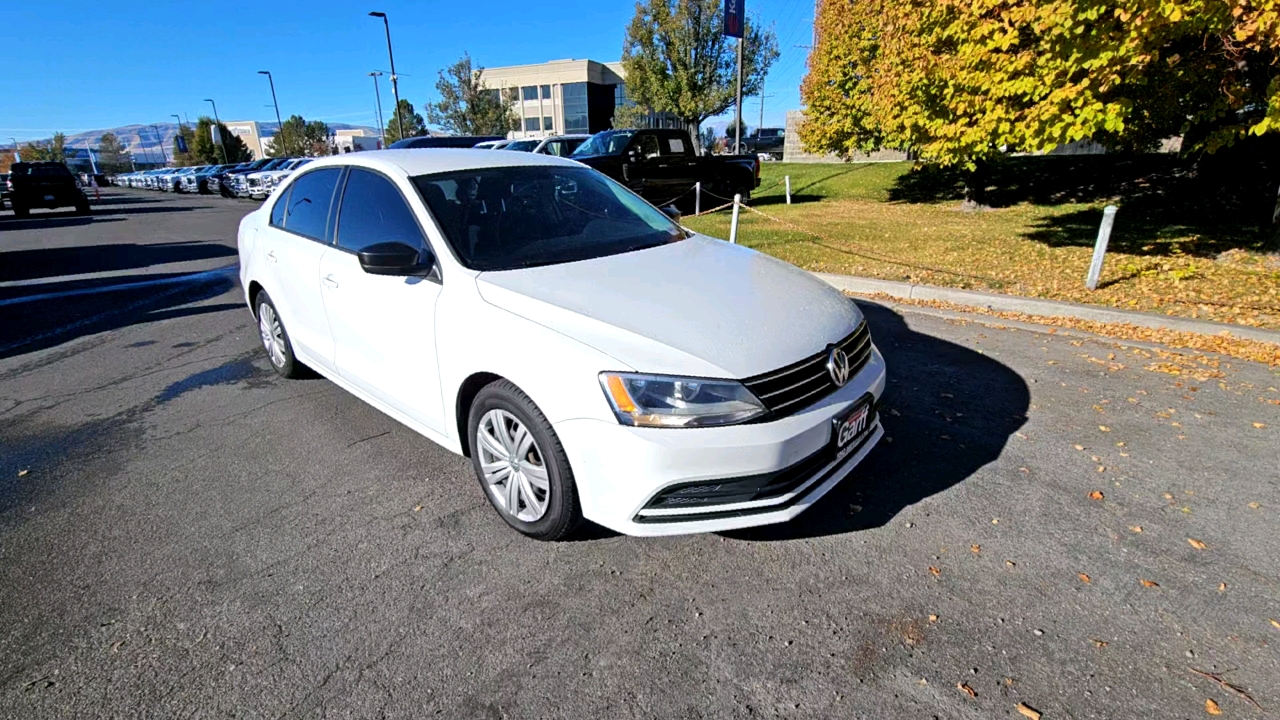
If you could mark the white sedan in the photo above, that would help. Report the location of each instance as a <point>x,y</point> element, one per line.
<point>589,355</point>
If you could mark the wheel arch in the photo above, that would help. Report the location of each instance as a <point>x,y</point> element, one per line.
<point>467,392</point>
<point>254,289</point>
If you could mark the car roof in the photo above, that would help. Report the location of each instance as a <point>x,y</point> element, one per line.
<point>428,161</point>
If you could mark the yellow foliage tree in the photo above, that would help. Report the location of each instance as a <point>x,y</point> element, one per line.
<point>961,81</point>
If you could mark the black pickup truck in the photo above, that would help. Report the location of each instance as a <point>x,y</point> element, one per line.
<point>43,185</point>
<point>765,141</point>
<point>663,165</point>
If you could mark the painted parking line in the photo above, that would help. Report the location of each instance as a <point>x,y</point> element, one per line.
<point>191,277</point>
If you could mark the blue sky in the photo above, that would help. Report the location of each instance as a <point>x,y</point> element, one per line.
<point>75,66</point>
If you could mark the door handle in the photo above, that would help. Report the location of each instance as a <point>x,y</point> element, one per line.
<point>271,255</point>
<point>328,280</point>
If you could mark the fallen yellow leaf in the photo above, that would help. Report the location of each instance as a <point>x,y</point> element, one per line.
<point>1259,425</point>
<point>1276,623</point>
<point>1211,707</point>
<point>1084,578</point>
<point>1028,711</point>
<point>933,618</point>
<point>1010,563</point>
<point>1078,447</point>
<point>976,548</point>
<point>1195,543</point>
<point>1254,505</point>
<point>1100,643</point>
<point>1149,583</point>
<point>1096,495</point>
<point>1168,496</point>
<point>417,508</point>
<point>934,570</point>
<point>1136,528</point>
<point>1104,428</point>
<point>1222,587</point>
<point>967,690</point>
<point>23,472</point>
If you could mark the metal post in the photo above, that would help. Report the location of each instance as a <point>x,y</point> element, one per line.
<point>788,179</point>
<point>1275,217</point>
<point>218,123</point>
<point>733,226</point>
<point>737,128</point>
<point>761,125</point>
<point>697,198</point>
<point>382,129</point>
<point>395,88</point>
<point>17,156</point>
<point>279,123</point>
<point>1100,247</point>
<point>160,140</point>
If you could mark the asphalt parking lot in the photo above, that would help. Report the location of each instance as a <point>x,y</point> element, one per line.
<point>183,534</point>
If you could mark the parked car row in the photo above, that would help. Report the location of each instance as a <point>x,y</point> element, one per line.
<point>254,179</point>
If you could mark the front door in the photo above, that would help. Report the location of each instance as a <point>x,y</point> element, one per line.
<point>383,326</point>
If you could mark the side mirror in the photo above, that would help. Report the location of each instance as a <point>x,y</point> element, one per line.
<point>672,212</point>
<point>395,258</point>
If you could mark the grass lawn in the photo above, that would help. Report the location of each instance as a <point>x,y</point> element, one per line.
<point>1187,241</point>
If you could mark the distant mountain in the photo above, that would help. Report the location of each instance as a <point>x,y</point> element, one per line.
<point>142,139</point>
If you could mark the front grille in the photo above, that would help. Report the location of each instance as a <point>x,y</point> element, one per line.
<point>800,384</point>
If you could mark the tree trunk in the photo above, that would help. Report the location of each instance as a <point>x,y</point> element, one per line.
<point>975,187</point>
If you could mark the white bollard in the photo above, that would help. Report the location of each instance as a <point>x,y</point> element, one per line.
<point>697,198</point>
<point>788,179</point>
<point>733,226</point>
<point>1100,247</point>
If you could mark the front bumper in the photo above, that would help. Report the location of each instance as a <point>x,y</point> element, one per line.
<point>619,470</point>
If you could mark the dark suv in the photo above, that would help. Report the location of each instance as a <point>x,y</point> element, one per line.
<point>44,185</point>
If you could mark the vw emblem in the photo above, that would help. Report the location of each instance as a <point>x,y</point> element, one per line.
<point>838,366</point>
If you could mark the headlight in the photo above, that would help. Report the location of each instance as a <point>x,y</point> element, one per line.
<point>664,401</point>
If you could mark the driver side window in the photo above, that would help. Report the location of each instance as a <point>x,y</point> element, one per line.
<point>647,145</point>
<point>374,211</point>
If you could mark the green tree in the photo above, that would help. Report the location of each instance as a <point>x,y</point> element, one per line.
<point>190,157</point>
<point>414,125</point>
<point>466,106</point>
<point>708,139</point>
<point>963,82</point>
<point>631,115</point>
<point>728,132</point>
<point>208,152</point>
<point>299,138</point>
<point>53,150</point>
<point>112,157</point>
<point>679,61</point>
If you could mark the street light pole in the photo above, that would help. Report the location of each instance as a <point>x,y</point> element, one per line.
<point>160,140</point>
<point>218,128</point>
<point>279,124</point>
<point>382,129</point>
<point>16,156</point>
<point>395,88</point>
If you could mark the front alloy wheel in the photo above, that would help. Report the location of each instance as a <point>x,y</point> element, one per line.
<point>275,339</point>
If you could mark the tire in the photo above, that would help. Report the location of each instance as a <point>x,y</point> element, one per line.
<point>275,339</point>
<point>560,512</point>
<point>21,212</point>
<point>82,207</point>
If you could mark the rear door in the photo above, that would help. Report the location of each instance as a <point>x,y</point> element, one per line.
<point>668,166</point>
<point>293,244</point>
<point>383,326</point>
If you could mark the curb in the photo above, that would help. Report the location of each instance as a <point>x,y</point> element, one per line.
<point>1044,308</point>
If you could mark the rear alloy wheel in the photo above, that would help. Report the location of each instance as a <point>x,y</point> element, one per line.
<point>521,465</point>
<point>275,339</point>
<point>20,212</point>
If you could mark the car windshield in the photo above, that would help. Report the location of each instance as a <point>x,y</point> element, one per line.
<point>522,145</point>
<point>504,218</point>
<point>605,143</point>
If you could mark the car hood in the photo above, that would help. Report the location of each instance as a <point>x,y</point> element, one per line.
<point>699,307</point>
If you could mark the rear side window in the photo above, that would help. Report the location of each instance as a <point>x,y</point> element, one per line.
<point>307,210</point>
<point>277,210</point>
<point>374,211</point>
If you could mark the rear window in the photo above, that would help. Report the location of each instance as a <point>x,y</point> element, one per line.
<point>41,170</point>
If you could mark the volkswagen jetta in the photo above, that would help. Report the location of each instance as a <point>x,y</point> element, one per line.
<point>589,355</point>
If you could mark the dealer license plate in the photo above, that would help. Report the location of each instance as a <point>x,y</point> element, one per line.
<point>849,429</point>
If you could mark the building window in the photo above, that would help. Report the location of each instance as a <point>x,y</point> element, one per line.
<point>575,107</point>
<point>546,92</point>
<point>548,124</point>
<point>496,95</point>
<point>531,125</point>
<point>529,92</point>
<point>513,94</point>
